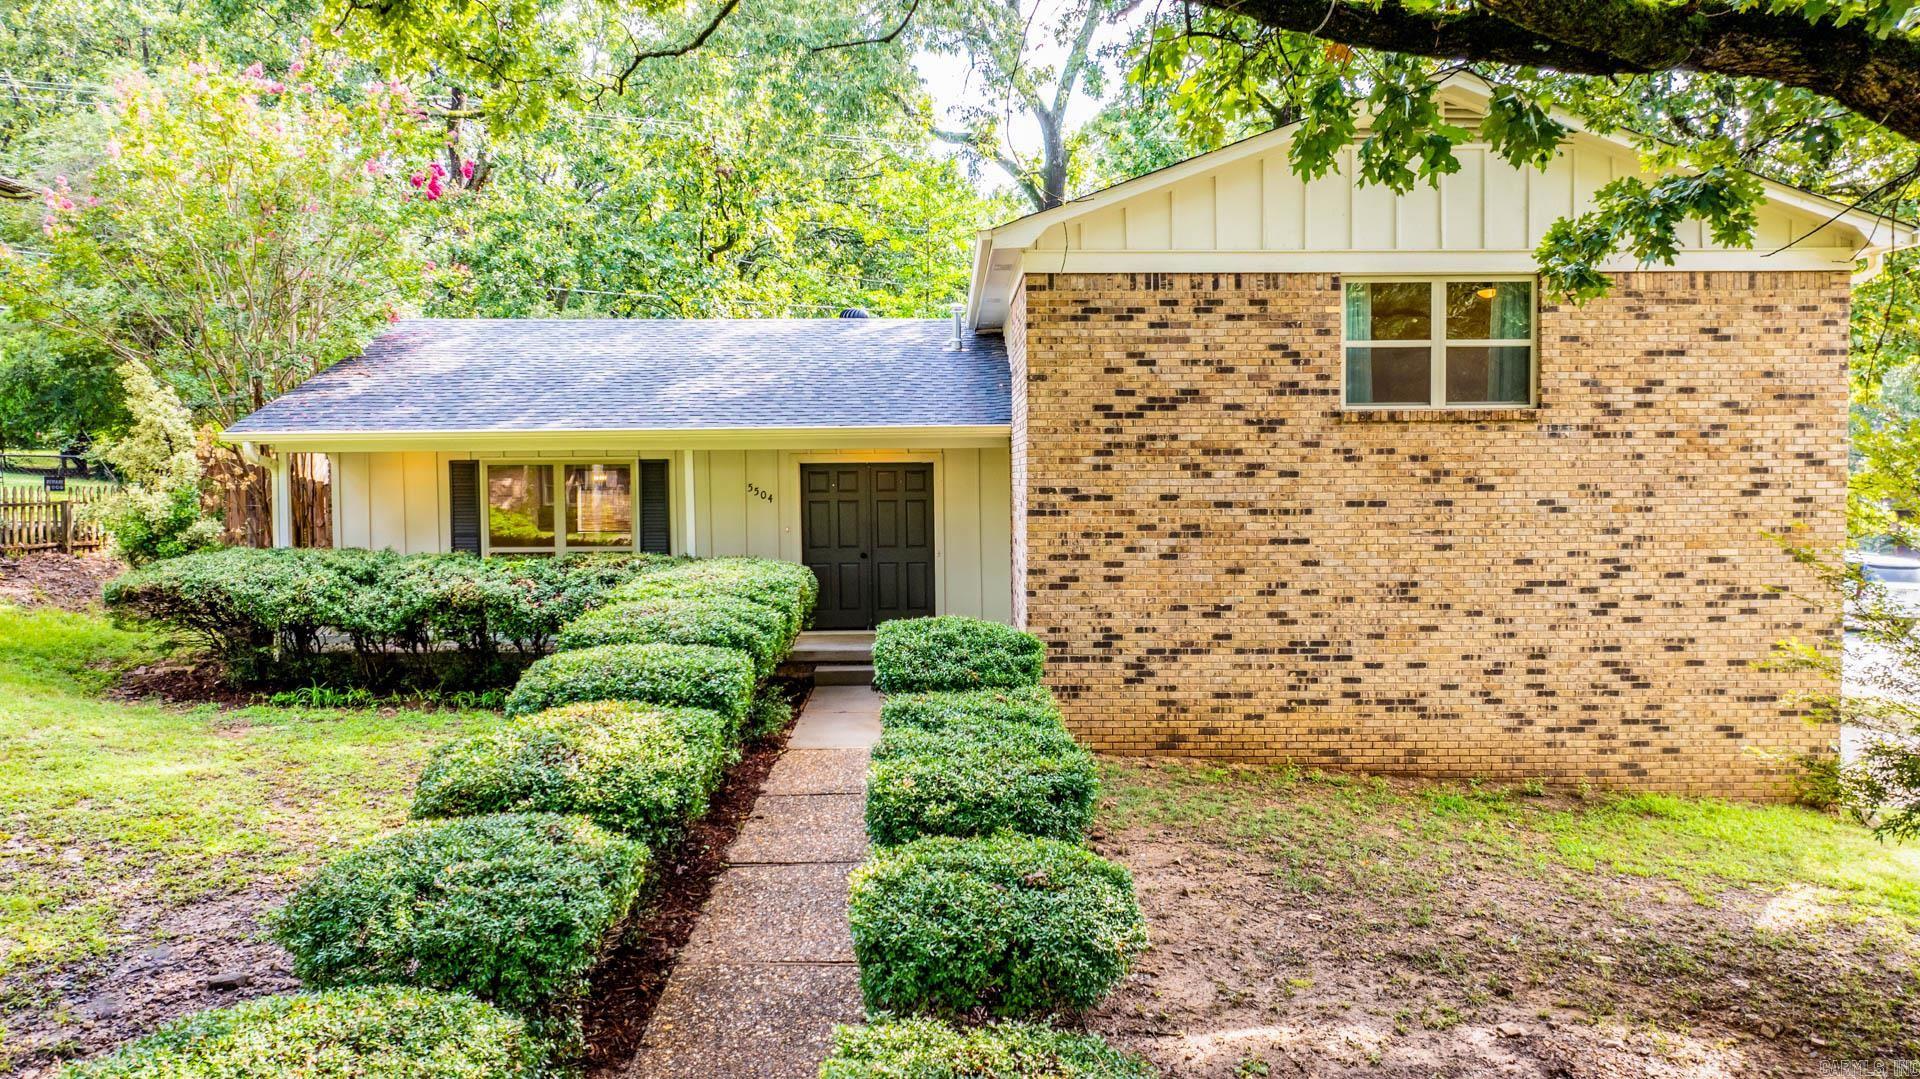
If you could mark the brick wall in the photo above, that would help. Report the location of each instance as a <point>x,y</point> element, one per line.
<point>1225,564</point>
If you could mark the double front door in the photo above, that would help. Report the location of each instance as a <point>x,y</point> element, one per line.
<point>867,533</point>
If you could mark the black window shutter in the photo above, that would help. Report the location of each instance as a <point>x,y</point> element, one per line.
<point>656,522</point>
<point>463,498</point>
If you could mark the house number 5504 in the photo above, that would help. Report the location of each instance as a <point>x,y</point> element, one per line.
<point>760,493</point>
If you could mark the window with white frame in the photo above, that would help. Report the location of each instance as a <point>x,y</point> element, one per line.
<point>551,508</point>
<point>1454,343</point>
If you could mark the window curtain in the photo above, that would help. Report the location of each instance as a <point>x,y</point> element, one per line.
<point>1359,360</point>
<point>1509,370</point>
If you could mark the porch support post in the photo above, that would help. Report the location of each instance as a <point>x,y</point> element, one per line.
<point>688,504</point>
<point>280,515</point>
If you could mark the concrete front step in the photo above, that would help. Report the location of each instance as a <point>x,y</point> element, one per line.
<point>833,646</point>
<point>843,674</point>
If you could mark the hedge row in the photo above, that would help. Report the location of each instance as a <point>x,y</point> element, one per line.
<point>388,1031</point>
<point>267,613</point>
<point>978,780</point>
<point>642,770</point>
<point>979,897</point>
<point>915,654</point>
<point>513,908</point>
<point>532,843</point>
<point>930,1049</point>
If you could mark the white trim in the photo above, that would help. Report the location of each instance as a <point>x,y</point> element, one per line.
<point>992,289</point>
<point>1416,263</point>
<point>643,439</point>
<point>280,511</point>
<point>691,510</point>
<point>1437,342</point>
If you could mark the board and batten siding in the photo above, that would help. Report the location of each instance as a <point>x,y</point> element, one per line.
<point>1261,204</point>
<point>746,502</point>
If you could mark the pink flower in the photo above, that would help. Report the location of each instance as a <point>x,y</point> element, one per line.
<point>113,149</point>
<point>434,190</point>
<point>430,265</point>
<point>416,179</point>
<point>439,171</point>
<point>254,70</point>
<point>296,67</point>
<point>393,315</point>
<point>374,167</point>
<point>466,170</point>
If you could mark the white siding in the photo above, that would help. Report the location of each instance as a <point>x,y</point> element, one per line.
<point>745,503</point>
<point>1259,203</point>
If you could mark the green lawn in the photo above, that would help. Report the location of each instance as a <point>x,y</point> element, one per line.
<point>1355,922</point>
<point>107,808</point>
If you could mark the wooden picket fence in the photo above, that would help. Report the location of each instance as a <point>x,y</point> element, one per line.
<point>33,519</point>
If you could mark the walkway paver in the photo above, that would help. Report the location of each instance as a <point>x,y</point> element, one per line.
<point>769,968</point>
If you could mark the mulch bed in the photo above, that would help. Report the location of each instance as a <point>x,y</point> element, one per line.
<point>51,579</point>
<point>627,985</point>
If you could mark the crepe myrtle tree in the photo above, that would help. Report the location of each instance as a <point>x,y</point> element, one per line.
<point>238,233</point>
<point>1821,92</point>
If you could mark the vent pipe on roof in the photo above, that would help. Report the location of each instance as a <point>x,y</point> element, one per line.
<point>958,342</point>
<point>855,312</point>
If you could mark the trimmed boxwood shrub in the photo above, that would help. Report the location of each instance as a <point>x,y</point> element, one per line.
<point>771,712</point>
<point>691,676</point>
<point>1005,923</point>
<point>965,781</point>
<point>951,652</point>
<point>930,1049</point>
<point>264,612</point>
<point>513,908</point>
<point>638,769</point>
<point>1031,706</point>
<point>787,587</point>
<point>721,621</point>
<point>387,1031</point>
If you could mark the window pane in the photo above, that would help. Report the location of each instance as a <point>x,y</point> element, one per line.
<point>1389,310</point>
<point>1489,374</point>
<point>520,506</point>
<point>1479,310</point>
<point>599,506</point>
<point>1388,376</point>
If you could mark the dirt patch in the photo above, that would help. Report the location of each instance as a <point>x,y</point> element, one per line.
<point>51,579</point>
<point>627,986</point>
<point>1257,970</point>
<point>203,955</point>
<point>185,680</point>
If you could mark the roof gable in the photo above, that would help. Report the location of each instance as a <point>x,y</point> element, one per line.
<point>1242,207</point>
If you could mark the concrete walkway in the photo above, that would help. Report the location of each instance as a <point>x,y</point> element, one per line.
<point>769,969</point>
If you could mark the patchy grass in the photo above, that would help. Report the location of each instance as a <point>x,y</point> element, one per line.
<point>1356,922</point>
<point>118,820</point>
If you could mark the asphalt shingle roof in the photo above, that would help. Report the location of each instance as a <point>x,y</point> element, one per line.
<point>649,374</point>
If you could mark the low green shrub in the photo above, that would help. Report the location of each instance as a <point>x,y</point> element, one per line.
<point>690,676</point>
<point>965,781</point>
<point>1005,923</point>
<point>513,908</point>
<point>721,621</point>
<point>787,587</point>
<point>1030,706</point>
<point>930,1049</point>
<point>951,652</point>
<point>638,769</point>
<point>265,612</point>
<point>387,1031</point>
<point>772,712</point>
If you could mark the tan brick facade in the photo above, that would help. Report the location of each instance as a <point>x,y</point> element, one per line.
<point>1226,564</point>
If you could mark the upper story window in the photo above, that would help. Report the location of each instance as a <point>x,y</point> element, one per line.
<point>548,508</point>
<point>1459,343</point>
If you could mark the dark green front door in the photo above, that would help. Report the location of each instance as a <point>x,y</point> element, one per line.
<point>867,533</point>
